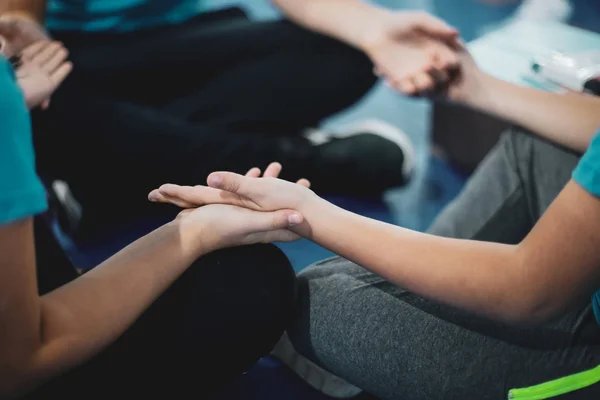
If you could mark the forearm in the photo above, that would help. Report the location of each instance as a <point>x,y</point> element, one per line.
<point>569,119</point>
<point>476,276</point>
<point>81,318</point>
<point>32,8</point>
<point>351,21</point>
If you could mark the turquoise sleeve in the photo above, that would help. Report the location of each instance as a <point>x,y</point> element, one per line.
<point>587,173</point>
<point>21,191</point>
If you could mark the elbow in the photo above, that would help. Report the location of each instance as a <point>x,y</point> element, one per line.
<point>15,380</point>
<point>528,298</point>
<point>20,370</point>
<point>528,316</point>
<point>530,311</point>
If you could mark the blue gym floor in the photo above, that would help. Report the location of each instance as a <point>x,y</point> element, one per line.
<point>414,206</point>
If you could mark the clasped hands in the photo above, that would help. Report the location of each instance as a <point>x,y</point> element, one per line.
<point>234,209</point>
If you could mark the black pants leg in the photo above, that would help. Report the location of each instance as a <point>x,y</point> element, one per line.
<point>174,104</point>
<point>228,310</point>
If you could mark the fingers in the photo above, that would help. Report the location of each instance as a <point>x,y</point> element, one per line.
<point>61,73</point>
<point>423,82</point>
<point>445,58</point>
<point>194,196</point>
<point>272,221</point>
<point>157,197</point>
<point>4,47</point>
<point>33,49</point>
<point>254,173</point>
<point>433,26</point>
<point>281,235</point>
<point>273,170</point>
<point>405,86</point>
<point>47,53</point>
<point>304,182</point>
<point>50,57</point>
<point>233,183</point>
<point>429,74</point>
<point>56,60</point>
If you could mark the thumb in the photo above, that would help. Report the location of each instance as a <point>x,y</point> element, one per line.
<point>276,220</point>
<point>233,183</point>
<point>433,26</point>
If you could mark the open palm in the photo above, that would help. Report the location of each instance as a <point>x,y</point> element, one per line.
<point>270,193</point>
<point>42,69</point>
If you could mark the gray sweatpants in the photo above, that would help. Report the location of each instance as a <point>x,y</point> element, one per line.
<point>397,345</point>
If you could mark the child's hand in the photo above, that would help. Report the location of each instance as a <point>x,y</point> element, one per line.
<point>19,31</point>
<point>218,226</point>
<point>261,194</point>
<point>42,68</point>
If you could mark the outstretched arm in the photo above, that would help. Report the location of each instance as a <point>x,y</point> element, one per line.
<point>570,119</point>
<point>554,267</point>
<point>45,336</point>
<point>352,21</point>
<point>404,46</point>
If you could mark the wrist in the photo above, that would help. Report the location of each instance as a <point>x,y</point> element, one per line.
<point>483,93</point>
<point>315,210</point>
<point>372,34</point>
<point>193,237</point>
<point>308,201</point>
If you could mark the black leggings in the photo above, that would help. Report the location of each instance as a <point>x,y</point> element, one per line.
<point>173,104</point>
<point>228,310</point>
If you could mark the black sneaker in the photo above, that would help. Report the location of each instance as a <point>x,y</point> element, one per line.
<point>366,158</point>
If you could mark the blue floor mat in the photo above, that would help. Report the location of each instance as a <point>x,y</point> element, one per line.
<point>271,380</point>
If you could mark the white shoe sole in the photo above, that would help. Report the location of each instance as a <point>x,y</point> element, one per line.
<point>315,376</point>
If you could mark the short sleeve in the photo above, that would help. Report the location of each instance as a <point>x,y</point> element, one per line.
<point>587,173</point>
<point>21,191</point>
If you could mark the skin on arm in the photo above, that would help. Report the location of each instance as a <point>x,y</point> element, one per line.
<point>50,334</point>
<point>409,48</point>
<point>34,9</point>
<point>554,268</point>
<point>352,21</point>
<point>569,119</point>
<point>21,25</point>
<point>45,336</point>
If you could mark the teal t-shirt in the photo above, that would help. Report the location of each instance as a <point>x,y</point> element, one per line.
<point>21,192</point>
<point>587,174</point>
<point>118,15</point>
